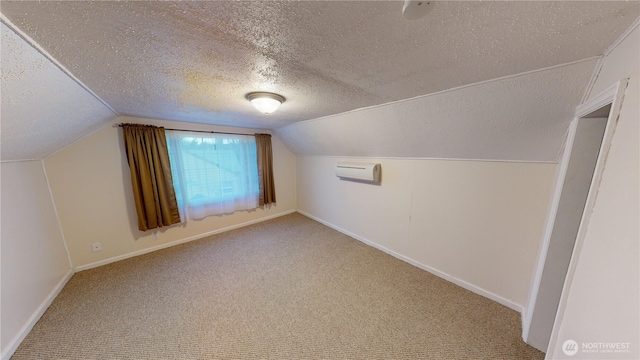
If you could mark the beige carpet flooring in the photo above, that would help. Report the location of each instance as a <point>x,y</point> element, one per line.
<point>288,288</point>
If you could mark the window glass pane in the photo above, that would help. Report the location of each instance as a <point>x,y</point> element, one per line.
<point>213,174</point>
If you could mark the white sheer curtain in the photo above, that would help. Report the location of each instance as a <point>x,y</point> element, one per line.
<point>213,174</point>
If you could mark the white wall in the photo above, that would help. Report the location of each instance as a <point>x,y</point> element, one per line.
<point>601,300</point>
<point>476,223</point>
<point>35,264</point>
<point>91,184</point>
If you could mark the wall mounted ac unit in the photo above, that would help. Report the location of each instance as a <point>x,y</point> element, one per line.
<point>358,171</point>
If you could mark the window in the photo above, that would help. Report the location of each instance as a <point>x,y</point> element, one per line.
<point>213,174</point>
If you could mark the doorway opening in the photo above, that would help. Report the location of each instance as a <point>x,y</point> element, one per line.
<point>577,181</point>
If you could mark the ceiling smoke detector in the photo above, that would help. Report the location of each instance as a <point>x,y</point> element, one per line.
<point>413,10</point>
<point>265,102</point>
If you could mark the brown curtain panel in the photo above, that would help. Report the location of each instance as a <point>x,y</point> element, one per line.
<point>265,169</point>
<point>148,158</point>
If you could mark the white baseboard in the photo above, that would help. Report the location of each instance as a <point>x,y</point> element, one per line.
<point>482,292</point>
<point>177,242</point>
<point>17,340</point>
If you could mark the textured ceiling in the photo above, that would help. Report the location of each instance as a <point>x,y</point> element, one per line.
<point>522,118</point>
<point>195,61</point>
<point>42,108</point>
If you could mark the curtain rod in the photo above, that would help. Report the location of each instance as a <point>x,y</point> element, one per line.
<point>200,131</point>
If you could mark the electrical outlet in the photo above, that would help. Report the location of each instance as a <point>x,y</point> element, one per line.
<point>96,247</point>
<point>155,235</point>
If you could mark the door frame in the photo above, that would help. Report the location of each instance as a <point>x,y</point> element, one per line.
<point>613,96</point>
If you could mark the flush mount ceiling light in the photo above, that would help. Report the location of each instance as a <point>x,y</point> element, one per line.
<point>265,102</point>
<point>415,9</point>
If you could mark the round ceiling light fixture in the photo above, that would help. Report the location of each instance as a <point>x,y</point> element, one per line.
<point>415,9</point>
<point>265,102</point>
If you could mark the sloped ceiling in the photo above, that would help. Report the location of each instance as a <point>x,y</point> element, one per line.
<point>43,109</point>
<point>195,61</point>
<point>523,118</point>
